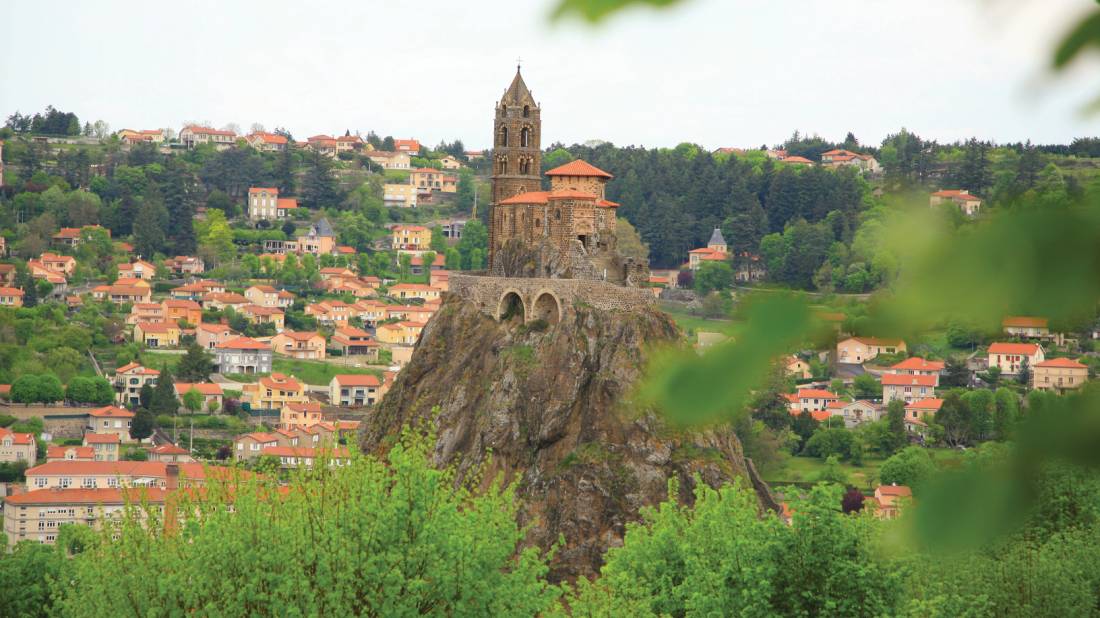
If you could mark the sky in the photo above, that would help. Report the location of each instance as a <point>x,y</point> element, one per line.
<point>718,73</point>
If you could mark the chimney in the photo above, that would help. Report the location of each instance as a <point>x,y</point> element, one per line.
<point>172,476</point>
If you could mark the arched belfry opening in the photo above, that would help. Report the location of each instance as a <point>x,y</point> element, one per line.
<point>547,308</point>
<point>511,308</point>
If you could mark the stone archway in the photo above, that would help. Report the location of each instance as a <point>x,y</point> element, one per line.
<point>511,307</point>
<point>546,307</point>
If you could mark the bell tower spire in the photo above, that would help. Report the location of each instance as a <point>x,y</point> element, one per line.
<point>517,132</point>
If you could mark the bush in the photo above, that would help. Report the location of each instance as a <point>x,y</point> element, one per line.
<point>836,442</point>
<point>912,466</point>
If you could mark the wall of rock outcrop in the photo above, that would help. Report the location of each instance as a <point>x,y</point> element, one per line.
<point>492,294</point>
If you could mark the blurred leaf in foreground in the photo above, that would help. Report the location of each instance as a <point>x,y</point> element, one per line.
<point>595,11</point>
<point>694,389</point>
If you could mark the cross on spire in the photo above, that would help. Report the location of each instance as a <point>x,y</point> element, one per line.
<point>519,61</point>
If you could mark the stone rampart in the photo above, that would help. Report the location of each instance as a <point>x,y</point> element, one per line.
<point>546,299</point>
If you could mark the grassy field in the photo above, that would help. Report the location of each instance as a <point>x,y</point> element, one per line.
<point>691,324</point>
<point>865,477</point>
<point>311,372</point>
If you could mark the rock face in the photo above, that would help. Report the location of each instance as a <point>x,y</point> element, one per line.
<point>551,403</point>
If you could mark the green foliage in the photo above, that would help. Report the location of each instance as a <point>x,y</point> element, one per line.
<point>826,442</point>
<point>142,425</point>
<point>713,276</point>
<point>35,567</point>
<point>392,537</point>
<point>164,399</point>
<point>89,390</point>
<point>831,472</point>
<point>866,386</point>
<point>196,365</point>
<point>912,466</point>
<point>37,389</point>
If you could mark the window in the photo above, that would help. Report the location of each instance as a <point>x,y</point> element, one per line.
<point>503,137</point>
<point>39,481</point>
<point>112,482</point>
<point>89,482</point>
<point>525,137</point>
<point>65,481</point>
<point>526,111</point>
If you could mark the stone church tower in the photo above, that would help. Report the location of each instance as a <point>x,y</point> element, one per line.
<point>517,132</point>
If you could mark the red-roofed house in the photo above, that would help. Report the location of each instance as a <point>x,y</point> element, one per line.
<point>351,341</point>
<point>211,393</point>
<point>267,142</point>
<point>889,499</point>
<point>858,350</point>
<point>1010,357</point>
<point>269,296</point>
<point>249,446</point>
<point>11,297</point>
<point>208,336</point>
<point>69,453</point>
<point>243,355</point>
<point>410,146</point>
<point>138,269</point>
<point>37,516</point>
<point>907,387</point>
<point>17,446</point>
<point>111,419</point>
<point>812,399</point>
<point>302,345</point>
<point>274,392</point>
<point>129,379</point>
<point>265,203</point>
<point>105,446</point>
<point>192,135</point>
<point>967,203</point>
<point>355,390</point>
<point>300,415</point>
<point>921,410</point>
<point>170,453</point>
<point>856,413</point>
<point>1059,374</point>
<point>1026,327</point>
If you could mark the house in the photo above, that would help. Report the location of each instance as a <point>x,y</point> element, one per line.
<point>37,516</point>
<point>348,143</point>
<point>266,142</point>
<point>138,269</point>
<point>923,408</point>
<point>7,271</point>
<point>264,203</point>
<point>918,366</point>
<point>322,144</point>
<point>351,341</point>
<point>182,311</point>
<point>440,279</point>
<point>748,267</point>
<point>1012,357</point>
<point>208,336</point>
<point>1059,374</point>
<point>303,415</point>
<point>330,312</point>
<point>427,179</point>
<point>390,160</point>
<point>907,387</point>
<point>812,400</point>
<point>410,146</point>
<point>796,160</point>
<point>157,334</point>
<point>856,413</point>
<point>263,315</point>
<point>197,290</point>
<point>16,447</point>
<point>452,229</point>
<point>411,238</point>
<point>336,272</point>
<point>130,136</point>
<point>242,355</point>
<point>1026,327</point>
<point>60,264</point>
<point>124,291</point>
<point>889,499</point>
<point>111,419</point>
<point>185,265</point>
<point>319,240</point>
<point>355,390</point>
<point>105,446</point>
<point>292,457</point>
<point>969,204</point>
<point>404,291</point>
<point>129,379</point>
<point>170,453</point>
<point>411,313</point>
<point>474,155</point>
<point>400,333</point>
<point>858,350</point>
<point>400,195</point>
<point>797,368</point>
<point>193,135</point>
<point>212,394</point>
<point>301,345</point>
<point>450,163</point>
<point>417,263</point>
<point>249,446</point>
<point>840,158</point>
<point>11,297</point>
<point>221,300</point>
<point>69,453</point>
<point>274,392</point>
<point>268,296</point>
<point>114,474</point>
<point>152,313</point>
<point>716,251</point>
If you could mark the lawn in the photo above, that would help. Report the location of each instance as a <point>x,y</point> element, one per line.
<point>317,373</point>
<point>158,360</point>
<point>805,469</point>
<point>691,324</point>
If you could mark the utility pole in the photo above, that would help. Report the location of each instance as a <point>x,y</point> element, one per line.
<point>474,215</point>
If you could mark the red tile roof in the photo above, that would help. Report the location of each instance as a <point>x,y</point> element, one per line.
<point>916,363</point>
<point>344,379</point>
<point>204,389</point>
<point>901,379</point>
<point>578,167</point>
<point>101,438</point>
<point>932,403</point>
<point>88,496</point>
<point>1025,349</point>
<point>111,412</point>
<point>79,452</point>
<point>16,438</point>
<point>243,343</point>
<point>169,449</point>
<point>1062,363</point>
<point>813,393</point>
<point>1020,321</point>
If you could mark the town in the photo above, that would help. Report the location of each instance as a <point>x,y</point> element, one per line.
<point>568,363</point>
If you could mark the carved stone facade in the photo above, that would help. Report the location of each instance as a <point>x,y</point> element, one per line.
<point>527,299</point>
<point>517,134</point>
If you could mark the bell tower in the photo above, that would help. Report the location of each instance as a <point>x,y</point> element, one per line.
<point>517,132</point>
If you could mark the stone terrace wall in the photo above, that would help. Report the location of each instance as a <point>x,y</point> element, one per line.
<point>487,293</point>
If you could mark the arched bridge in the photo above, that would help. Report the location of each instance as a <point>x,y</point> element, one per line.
<point>527,300</point>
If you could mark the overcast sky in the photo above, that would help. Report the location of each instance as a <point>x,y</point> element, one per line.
<point>715,72</point>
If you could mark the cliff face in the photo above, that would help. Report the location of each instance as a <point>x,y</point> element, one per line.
<point>550,402</point>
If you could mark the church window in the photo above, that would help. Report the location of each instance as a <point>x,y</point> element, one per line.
<point>525,137</point>
<point>503,136</point>
<point>526,111</point>
<point>503,110</point>
<point>557,214</point>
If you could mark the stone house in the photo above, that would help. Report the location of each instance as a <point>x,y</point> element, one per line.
<point>242,355</point>
<point>858,350</point>
<point>1059,374</point>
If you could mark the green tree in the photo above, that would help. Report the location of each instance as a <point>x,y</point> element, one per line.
<point>319,188</point>
<point>1007,411</point>
<point>196,365</point>
<point>192,400</point>
<point>142,425</point>
<point>459,540</point>
<point>164,399</point>
<point>831,472</point>
<point>713,276</point>
<point>912,466</point>
<point>895,422</point>
<point>866,386</point>
<point>145,396</point>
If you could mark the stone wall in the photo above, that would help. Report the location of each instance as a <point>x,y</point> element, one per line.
<point>492,295</point>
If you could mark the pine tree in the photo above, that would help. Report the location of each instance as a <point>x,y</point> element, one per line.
<point>164,399</point>
<point>319,189</point>
<point>149,227</point>
<point>284,172</point>
<point>29,286</point>
<point>142,427</point>
<point>196,365</point>
<point>181,231</point>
